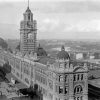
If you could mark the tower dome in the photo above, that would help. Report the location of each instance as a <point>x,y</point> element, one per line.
<point>28,10</point>
<point>63,54</point>
<point>40,51</point>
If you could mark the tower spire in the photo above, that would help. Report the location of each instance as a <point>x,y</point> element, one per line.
<point>28,3</point>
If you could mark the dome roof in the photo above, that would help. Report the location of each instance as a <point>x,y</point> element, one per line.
<point>40,51</point>
<point>63,54</point>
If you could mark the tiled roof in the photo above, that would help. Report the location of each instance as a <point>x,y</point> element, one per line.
<point>45,60</point>
<point>41,52</point>
<point>63,54</point>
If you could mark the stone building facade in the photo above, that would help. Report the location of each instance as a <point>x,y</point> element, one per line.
<point>59,78</point>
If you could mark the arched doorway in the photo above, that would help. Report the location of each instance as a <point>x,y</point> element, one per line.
<point>78,92</point>
<point>78,89</point>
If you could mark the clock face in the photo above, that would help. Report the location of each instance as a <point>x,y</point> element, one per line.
<point>29,35</point>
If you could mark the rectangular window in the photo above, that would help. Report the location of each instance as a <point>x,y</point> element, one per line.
<point>51,96</point>
<point>17,74</point>
<point>43,91</point>
<point>74,77</point>
<point>60,90</point>
<point>65,78</point>
<point>56,99</point>
<point>17,65</point>
<point>81,76</point>
<point>41,79</point>
<point>32,75</point>
<point>81,98</point>
<point>26,80</point>
<point>78,77</point>
<point>60,78</point>
<point>66,90</point>
<point>44,81</point>
<point>61,65</point>
<point>50,84</point>
<point>56,88</point>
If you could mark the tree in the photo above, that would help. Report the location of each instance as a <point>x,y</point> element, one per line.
<point>9,49</point>
<point>3,44</point>
<point>18,47</point>
<point>7,68</point>
<point>35,87</point>
<point>2,72</point>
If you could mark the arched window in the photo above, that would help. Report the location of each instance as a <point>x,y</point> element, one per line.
<point>60,78</point>
<point>78,89</point>
<point>29,36</point>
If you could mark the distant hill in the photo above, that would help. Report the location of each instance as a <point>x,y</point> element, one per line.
<point>9,31</point>
<point>3,44</point>
<point>13,43</point>
<point>48,45</point>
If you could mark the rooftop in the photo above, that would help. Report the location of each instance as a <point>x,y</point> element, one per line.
<point>46,59</point>
<point>63,54</point>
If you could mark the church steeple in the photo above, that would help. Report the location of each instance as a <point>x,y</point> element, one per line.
<point>28,15</point>
<point>28,9</point>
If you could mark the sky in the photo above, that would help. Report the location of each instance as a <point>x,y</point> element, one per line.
<point>56,19</point>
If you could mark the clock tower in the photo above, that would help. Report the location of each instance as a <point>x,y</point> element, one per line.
<point>28,32</point>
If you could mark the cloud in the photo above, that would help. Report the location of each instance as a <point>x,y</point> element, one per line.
<point>83,26</point>
<point>49,24</point>
<point>39,0</point>
<point>86,22</point>
<point>56,19</point>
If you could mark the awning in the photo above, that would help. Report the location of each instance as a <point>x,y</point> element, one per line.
<point>19,85</point>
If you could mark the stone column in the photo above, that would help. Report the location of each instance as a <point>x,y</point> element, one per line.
<point>71,88</point>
